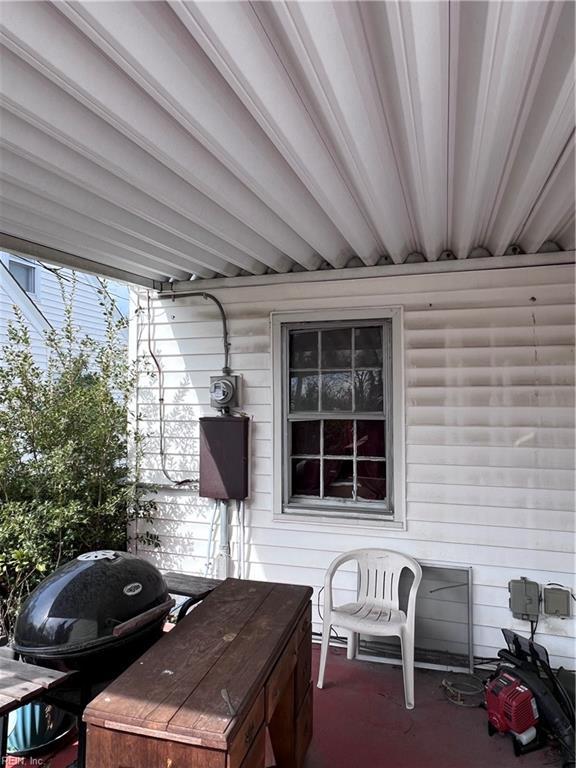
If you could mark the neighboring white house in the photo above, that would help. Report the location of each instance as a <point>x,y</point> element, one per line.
<point>35,289</point>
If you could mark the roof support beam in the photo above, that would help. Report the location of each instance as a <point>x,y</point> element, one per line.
<point>179,288</point>
<point>62,259</point>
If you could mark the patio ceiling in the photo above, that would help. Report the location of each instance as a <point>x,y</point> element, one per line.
<point>215,139</point>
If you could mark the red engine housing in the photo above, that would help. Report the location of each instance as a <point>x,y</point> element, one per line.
<point>511,705</point>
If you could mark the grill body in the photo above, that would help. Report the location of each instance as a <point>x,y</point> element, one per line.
<point>95,614</point>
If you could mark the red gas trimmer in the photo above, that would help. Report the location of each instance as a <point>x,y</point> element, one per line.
<point>512,709</point>
<point>527,700</point>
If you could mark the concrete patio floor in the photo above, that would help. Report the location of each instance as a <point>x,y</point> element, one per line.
<point>360,722</point>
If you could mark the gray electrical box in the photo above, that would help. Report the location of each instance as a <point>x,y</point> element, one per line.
<point>556,602</point>
<point>524,599</point>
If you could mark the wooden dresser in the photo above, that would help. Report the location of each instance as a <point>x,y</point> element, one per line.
<point>206,695</point>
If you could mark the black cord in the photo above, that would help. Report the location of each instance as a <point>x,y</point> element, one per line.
<point>332,630</point>
<point>57,271</point>
<point>486,660</point>
<point>534,624</point>
<point>336,639</point>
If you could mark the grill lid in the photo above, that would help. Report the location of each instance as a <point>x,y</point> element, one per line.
<point>82,603</point>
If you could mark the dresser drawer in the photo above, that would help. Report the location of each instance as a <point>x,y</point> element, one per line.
<point>304,727</point>
<point>304,625</point>
<point>256,756</point>
<point>303,670</point>
<point>247,733</point>
<point>280,676</point>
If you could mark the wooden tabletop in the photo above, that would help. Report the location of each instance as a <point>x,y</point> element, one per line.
<point>21,682</point>
<point>196,683</point>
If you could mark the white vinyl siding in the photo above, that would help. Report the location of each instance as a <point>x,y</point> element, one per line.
<point>489,429</point>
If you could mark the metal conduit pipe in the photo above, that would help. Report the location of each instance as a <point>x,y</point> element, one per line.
<point>209,297</point>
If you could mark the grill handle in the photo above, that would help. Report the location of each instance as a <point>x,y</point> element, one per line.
<point>142,618</point>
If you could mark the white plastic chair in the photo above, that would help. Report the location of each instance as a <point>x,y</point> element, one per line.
<point>376,611</point>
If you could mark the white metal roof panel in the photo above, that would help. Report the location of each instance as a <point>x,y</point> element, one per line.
<point>224,138</point>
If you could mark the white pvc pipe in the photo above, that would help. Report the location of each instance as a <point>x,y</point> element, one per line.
<point>215,511</point>
<point>241,544</point>
<point>224,558</point>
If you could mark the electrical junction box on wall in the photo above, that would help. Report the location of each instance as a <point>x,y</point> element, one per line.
<point>556,602</point>
<point>524,599</point>
<point>224,455</point>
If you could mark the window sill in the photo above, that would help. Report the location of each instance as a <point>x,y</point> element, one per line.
<point>334,517</point>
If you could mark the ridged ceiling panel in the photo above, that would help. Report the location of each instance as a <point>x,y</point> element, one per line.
<point>216,138</point>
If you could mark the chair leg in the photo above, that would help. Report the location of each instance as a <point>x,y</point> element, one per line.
<point>323,653</point>
<point>352,645</point>
<point>407,645</point>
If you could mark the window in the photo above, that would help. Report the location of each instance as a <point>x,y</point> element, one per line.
<point>24,275</point>
<point>337,422</point>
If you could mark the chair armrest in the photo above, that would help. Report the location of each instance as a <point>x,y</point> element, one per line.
<point>411,607</point>
<point>332,568</point>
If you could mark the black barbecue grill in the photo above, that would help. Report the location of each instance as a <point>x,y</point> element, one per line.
<point>95,615</point>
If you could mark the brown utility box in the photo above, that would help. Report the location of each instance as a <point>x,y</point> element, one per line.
<point>224,457</point>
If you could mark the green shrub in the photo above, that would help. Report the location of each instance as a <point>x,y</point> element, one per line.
<point>66,483</point>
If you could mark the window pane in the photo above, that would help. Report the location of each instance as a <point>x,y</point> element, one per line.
<point>23,274</point>
<point>338,479</point>
<point>338,438</point>
<point>368,347</point>
<point>305,438</point>
<point>337,391</point>
<point>337,348</point>
<point>303,392</point>
<point>368,390</point>
<point>304,349</point>
<point>306,477</point>
<point>370,438</point>
<point>371,481</point>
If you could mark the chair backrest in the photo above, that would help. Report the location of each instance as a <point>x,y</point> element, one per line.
<point>380,571</point>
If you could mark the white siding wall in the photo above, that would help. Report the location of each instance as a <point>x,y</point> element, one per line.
<point>489,430</point>
<point>48,299</point>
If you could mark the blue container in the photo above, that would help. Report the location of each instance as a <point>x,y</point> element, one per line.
<point>37,727</point>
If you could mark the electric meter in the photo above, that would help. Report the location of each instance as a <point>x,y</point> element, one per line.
<point>224,392</point>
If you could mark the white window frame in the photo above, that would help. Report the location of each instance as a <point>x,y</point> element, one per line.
<point>27,265</point>
<point>318,513</point>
